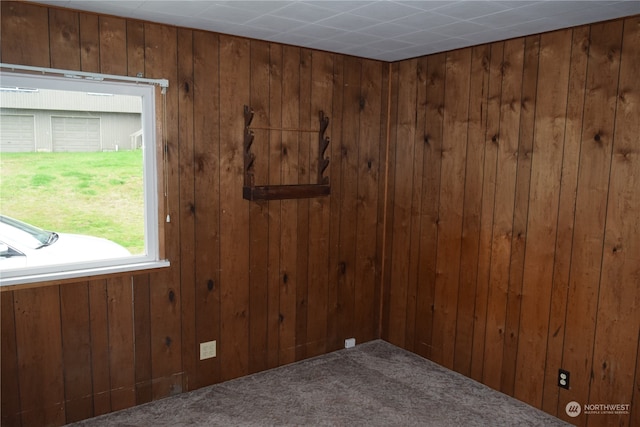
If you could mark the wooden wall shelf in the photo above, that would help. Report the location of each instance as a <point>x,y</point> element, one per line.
<point>250,191</point>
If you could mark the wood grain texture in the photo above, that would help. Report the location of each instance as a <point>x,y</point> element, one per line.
<point>618,318</point>
<point>585,284</point>
<point>432,163</point>
<point>434,238</point>
<point>76,350</point>
<point>206,99</point>
<point>543,282</point>
<point>451,202</point>
<point>31,23</point>
<point>474,174</point>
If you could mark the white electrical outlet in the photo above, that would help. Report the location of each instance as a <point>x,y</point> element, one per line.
<point>207,350</point>
<point>349,343</point>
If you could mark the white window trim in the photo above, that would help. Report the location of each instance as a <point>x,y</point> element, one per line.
<point>99,83</point>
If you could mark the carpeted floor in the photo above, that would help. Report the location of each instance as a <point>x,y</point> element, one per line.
<point>372,384</point>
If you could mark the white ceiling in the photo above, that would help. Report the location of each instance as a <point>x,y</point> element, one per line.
<point>382,29</point>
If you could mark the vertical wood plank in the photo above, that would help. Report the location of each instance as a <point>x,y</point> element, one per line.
<point>543,209</point>
<point>64,39</point>
<point>275,159</point>
<point>404,155</point>
<point>506,169</point>
<point>188,207</point>
<point>491,131</point>
<point>367,212</point>
<point>415,220</point>
<point>348,194</point>
<point>289,217</point>
<point>135,48</point>
<point>100,369</point>
<point>259,211</point>
<point>206,64</point>
<point>304,177</point>
<point>335,180</point>
<point>454,148</point>
<point>24,34</point>
<point>76,351</point>
<point>432,161</point>
<point>39,343</point>
<point>318,275</point>
<point>142,338</point>
<point>10,404</point>
<point>121,344</point>
<point>474,174</point>
<point>89,43</point>
<point>113,42</point>
<point>234,275</point>
<point>383,206</point>
<point>387,192</point>
<point>521,210</point>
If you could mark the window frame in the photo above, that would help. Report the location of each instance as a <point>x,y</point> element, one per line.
<point>151,259</point>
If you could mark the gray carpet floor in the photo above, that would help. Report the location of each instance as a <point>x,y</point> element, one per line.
<point>372,384</point>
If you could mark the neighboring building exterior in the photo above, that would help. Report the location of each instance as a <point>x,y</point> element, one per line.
<point>57,121</point>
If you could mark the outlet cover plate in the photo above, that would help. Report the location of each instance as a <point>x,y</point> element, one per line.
<point>207,350</point>
<point>563,379</point>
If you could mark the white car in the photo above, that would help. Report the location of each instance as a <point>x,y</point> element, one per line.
<point>24,245</point>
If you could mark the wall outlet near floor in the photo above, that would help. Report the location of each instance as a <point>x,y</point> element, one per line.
<point>563,378</point>
<point>349,343</point>
<point>207,350</point>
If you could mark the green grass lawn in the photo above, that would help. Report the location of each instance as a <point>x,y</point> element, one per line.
<point>99,194</point>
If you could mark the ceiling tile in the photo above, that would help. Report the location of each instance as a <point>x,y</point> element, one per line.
<point>275,23</point>
<point>348,22</point>
<point>387,30</point>
<point>338,6</point>
<point>460,28</point>
<point>260,7</point>
<point>384,11</point>
<point>425,20</point>
<point>318,32</point>
<point>303,12</point>
<point>471,9</point>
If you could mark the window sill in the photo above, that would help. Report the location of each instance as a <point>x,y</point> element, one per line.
<point>11,283</point>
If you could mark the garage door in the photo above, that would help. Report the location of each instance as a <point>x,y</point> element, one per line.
<point>75,133</point>
<point>16,134</point>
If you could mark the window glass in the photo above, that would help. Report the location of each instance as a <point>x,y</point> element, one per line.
<point>78,176</point>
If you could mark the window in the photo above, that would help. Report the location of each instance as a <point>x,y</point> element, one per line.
<point>78,176</point>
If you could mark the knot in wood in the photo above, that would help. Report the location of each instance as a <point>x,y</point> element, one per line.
<point>210,284</point>
<point>172,296</point>
<point>342,267</point>
<point>597,137</point>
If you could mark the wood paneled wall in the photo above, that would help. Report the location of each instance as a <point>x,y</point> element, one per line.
<point>514,247</point>
<point>498,223</point>
<point>271,282</point>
